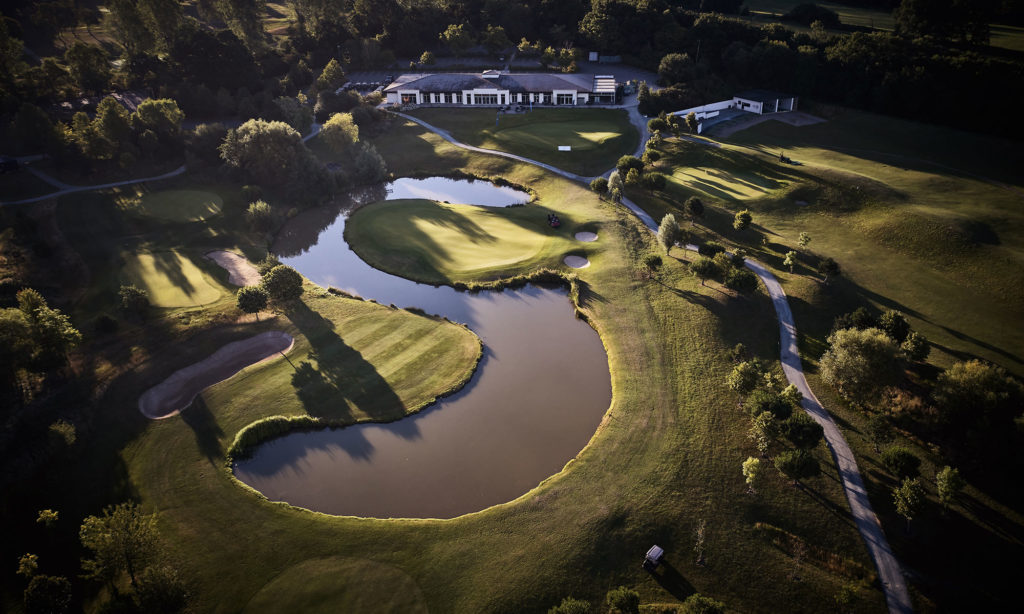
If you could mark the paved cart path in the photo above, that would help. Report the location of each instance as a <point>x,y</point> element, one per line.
<point>894,585</point>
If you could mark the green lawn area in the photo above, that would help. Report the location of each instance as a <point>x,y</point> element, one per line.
<point>170,278</point>
<point>904,209</point>
<point>177,205</point>
<point>598,137</point>
<point>426,241</point>
<point>666,457</point>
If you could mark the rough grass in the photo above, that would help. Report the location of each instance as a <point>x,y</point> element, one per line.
<point>177,205</point>
<point>439,243</point>
<point>915,230</point>
<point>598,137</point>
<point>22,184</point>
<point>170,278</point>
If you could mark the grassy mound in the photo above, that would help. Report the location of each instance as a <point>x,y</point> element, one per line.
<point>180,205</point>
<point>339,584</point>
<point>598,137</point>
<point>438,242</point>
<point>171,279</point>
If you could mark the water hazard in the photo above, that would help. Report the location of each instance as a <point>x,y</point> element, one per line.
<point>539,395</point>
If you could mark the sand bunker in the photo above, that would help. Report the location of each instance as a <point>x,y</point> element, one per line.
<point>178,391</point>
<point>241,272</point>
<point>588,237</point>
<point>576,262</point>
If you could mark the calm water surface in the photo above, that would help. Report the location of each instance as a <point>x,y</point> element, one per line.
<point>541,390</point>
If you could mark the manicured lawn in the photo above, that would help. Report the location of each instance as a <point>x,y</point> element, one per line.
<point>598,137</point>
<point>914,227</point>
<point>426,241</point>
<point>178,205</point>
<point>170,278</point>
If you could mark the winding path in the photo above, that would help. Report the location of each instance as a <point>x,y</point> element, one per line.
<point>894,585</point>
<point>63,188</point>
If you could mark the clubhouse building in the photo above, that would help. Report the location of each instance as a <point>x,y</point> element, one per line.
<point>493,88</point>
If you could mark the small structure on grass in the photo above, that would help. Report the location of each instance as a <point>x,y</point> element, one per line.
<point>653,558</point>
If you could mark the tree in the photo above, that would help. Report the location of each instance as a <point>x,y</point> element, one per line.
<point>51,331</point>
<point>909,498</point>
<point>668,232</point>
<point>860,363</point>
<point>331,77</point>
<point>790,260</point>
<point>699,604</point>
<point>792,395</point>
<point>571,606</point>
<point>615,181</point>
<point>710,249</point>
<point>741,221</point>
<point>879,431</point>
<point>252,299</point>
<point>282,283</point>
<point>764,400</point>
<point>427,58</point>
<point>633,177</point>
<point>894,325</point>
<point>260,216</point>
<point>628,163</point>
<point>599,185</point>
<point>656,124</point>
<point>703,268</point>
<point>650,156</point>
<point>622,600</point>
<point>675,68</point>
<point>458,38</point>
<point>295,112</point>
<point>752,473</point>
<point>744,378</point>
<point>764,430</point>
<point>949,485</point>
<point>113,123</point>
<point>89,66</point>
<point>269,152</point>
<point>134,300</point>
<point>122,540</point>
<point>28,565</point>
<point>129,27</point>
<point>797,465</point>
<point>901,462</point>
<point>691,122</point>
<point>975,394</point>
<point>916,347</point>
<point>15,342</point>
<point>740,280</point>
<point>32,130</point>
<point>495,39</point>
<point>804,240</point>
<point>828,268</point>
<point>340,132</point>
<point>162,116</point>
<point>47,518</point>
<point>695,207</point>
<point>161,591</point>
<point>48,595</point>
<point>802,430</point>
<point>653,181</point>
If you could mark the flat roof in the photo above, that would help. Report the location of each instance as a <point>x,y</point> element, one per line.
<point>515,83</point>
<point>762,95</point>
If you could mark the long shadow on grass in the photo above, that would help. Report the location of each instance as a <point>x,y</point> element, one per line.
<point>342,380</point>
<point>669,578</point>
<point>205,428</point>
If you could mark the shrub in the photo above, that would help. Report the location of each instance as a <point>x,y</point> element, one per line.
<point>652,261</point>
<point>916,347</point>
<point>762,400</point>
<point>623,601</point>
<point>264,266</point>
<point>571,606</point>
<point>710,248</point>
<point>134,300</point>
<point>797,465</point>
<point>599,185</point>
<point>699,604</point>
<point>742,220</point>
<point>283,283</point>
<point>628,163</point>
<point>252,299</point>
<point>802,430</point>
<point>741,280</point>
<point>104,324</point>
<point>260,216</point>
<point>704,268</point>
<point>901,462</point>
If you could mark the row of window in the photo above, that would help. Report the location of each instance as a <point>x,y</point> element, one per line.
<point>486,99</point>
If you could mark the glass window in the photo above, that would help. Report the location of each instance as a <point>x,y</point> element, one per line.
<point>565,99</point>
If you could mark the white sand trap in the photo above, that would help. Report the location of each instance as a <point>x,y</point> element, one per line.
<point>577,262</point>
<point>177,392</point>
<point>587,237</point>
<point>241,272</point>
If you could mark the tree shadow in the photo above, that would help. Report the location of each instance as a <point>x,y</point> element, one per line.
<point>337,380</point>
<point>205,428</point>
<point>669,578</point>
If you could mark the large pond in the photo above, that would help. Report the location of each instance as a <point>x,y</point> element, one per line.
<point>537,398</point>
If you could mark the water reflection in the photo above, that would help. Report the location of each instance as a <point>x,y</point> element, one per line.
<point>536,400</point>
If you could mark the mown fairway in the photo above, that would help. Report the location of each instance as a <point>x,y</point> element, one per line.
<point>439,243</point>
<point>169,278</point>
<point>598,137</point>
<point>178,205</point>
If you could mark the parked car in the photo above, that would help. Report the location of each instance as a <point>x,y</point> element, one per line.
<point>653,558</point>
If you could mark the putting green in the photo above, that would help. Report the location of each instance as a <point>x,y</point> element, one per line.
<point>433,241</point>
<point>337,584</point>
<point>172,280</point>
<point>181,205</point>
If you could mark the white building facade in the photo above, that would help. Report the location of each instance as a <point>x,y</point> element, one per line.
<point>492,88</point>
